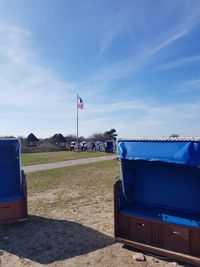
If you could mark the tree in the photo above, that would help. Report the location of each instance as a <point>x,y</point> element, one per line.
<point>97,137</point>
<point>69,138</point>
<point>112,134</point>
<point>174,136</point>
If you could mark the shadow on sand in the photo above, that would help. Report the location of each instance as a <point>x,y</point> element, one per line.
<point>46,240</point>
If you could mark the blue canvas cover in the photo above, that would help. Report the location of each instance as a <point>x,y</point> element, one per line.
<point>10,173</point>
<point>161,180</point>
<point>179,151</point>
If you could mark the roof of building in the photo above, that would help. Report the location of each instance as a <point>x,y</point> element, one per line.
<point>32,138</point>
<point>59,138</point>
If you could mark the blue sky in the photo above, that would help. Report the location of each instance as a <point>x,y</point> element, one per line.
<point>135,63</point>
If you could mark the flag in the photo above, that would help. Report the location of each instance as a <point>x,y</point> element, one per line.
<point>80,103</point>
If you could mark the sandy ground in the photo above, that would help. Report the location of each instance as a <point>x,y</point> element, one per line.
<point>78,236</point>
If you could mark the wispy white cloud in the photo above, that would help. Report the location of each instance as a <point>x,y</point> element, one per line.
<point>133,19</point>
<point>145,117</point>
<point>163,120</point>
<point>123,106</point>
<point>30,95</point>
<point>118,70</point>
<point>149,47</point>
<point>180,62</point>
<point>190,86</point>
<point>14,42</point>
<point>23,82</point>
<point>109,35</point>
<point>116,22</point>
<point>189,20</point>
<point>167,42</point>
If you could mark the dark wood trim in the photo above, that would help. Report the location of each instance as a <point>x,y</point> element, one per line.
<point>25,194</point>
<point>13,211</point>
<point>155,236</point>
<point>155,221</point>
<point>116,206</point>
<point>163,252</point>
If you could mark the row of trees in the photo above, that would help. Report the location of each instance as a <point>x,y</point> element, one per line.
<point>59,142</point>
<point>102,137</point>
<point>108,135</point>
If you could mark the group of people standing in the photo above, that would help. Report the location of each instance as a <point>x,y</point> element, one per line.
<point>87,146</point>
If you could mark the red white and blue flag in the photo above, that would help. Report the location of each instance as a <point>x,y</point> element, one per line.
<point>80,103</point>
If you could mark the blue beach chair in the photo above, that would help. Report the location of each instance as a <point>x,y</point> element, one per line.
<point>110,146</point>
<point>13,193</point>
<point>157,199</point>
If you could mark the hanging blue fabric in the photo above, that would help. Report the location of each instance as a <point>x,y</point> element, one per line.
<point>180,152</point>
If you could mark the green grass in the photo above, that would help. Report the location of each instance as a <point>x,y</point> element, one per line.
<point>53,186</point>
<point>98,175</point>
<point>48,157</point>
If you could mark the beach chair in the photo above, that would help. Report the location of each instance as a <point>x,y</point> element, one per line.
<point>110,146</point>
<point>157,199</point>
<point>13,192</point>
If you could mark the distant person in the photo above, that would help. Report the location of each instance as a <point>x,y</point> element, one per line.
<point>84,147</point>
<point>73,146</point>
<point>93,147</point>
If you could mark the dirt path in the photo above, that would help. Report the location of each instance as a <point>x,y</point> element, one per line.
<point>61,164</point>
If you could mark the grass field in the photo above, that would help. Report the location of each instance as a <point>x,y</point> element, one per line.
<point>71,186</point>
<point>48,157</point>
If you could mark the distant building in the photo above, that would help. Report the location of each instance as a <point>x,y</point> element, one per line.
<point>59,140</point>
<point>31,140</point>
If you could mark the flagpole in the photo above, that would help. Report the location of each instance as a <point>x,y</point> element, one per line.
<point>77,125</point>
